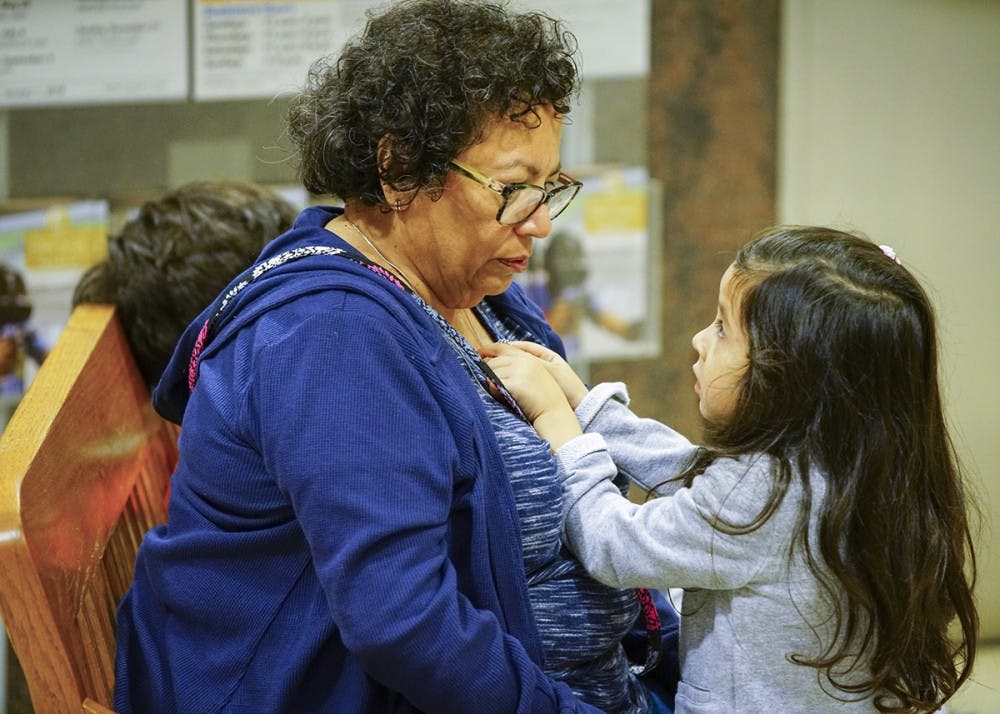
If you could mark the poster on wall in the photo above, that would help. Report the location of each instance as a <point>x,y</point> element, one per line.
<point>86,52</point>
<point>245,49</point>
<point>596,275</point>
<point>43,253</point>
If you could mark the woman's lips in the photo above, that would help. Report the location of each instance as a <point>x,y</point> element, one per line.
<point>518,265</point>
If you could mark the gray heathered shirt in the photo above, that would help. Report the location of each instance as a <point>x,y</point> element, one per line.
<point>747,607</point>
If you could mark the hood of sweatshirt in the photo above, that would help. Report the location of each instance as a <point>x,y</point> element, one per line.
<point>307,272</point>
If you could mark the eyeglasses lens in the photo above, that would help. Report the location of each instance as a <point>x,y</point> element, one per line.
<point>521,203</point>
<point>560,199</point>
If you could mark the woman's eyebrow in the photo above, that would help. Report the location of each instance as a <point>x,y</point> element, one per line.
<point>529,168</point>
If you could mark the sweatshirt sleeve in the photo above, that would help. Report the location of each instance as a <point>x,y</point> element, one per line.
<point>645,450</point>
<point>353,431</point>
<point>670,541</point>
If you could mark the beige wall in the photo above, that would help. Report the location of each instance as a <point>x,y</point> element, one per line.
<point>890,123</point>
<point>111,151</point>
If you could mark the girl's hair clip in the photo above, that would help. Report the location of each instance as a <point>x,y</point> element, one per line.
<point>890,253</point>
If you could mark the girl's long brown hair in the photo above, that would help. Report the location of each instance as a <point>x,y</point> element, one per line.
<point>843,378</point>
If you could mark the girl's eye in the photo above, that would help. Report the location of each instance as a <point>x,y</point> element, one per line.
<point>719,330</point>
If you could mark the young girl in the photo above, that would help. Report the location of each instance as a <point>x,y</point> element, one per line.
<point>821,535</point>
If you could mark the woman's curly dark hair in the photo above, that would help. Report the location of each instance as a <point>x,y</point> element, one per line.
<point>418,87</point>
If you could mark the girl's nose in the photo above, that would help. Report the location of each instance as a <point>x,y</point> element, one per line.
<point>698,340</point>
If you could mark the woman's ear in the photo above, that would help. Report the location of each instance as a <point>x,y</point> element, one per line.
<point>396,199</point>
<point>384,154</point>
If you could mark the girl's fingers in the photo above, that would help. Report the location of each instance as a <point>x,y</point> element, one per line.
<point>535,349</point>
<point>496,349</point>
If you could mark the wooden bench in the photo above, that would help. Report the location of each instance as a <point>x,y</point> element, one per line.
<point>84,467</point>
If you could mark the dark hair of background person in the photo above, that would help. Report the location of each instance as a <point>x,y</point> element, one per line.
<point>176,255</point>
<point>410,94</point>
<point>14,303</point>
<point>843,376</point>
<point>564,261</point>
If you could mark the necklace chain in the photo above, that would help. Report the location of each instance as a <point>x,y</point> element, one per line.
<point>473,335</point>
<point>399,271</point>
<point>470,321</point>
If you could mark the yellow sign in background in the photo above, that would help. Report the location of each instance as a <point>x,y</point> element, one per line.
<point>59,243</point>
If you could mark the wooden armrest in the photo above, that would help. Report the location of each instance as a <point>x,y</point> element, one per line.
<point>84,466</point>
<point>92,707</point>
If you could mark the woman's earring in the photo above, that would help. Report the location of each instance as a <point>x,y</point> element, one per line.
<point>401,204</point>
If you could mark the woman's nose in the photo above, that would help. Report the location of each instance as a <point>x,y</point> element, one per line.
<point>538,224</point>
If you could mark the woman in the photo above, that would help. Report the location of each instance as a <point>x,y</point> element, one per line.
<point>346,522</point>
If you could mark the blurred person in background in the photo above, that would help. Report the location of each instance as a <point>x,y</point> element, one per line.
<point>175,255</point>
<point>19,340</point>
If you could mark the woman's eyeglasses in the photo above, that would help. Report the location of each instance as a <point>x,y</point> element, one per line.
<point>520,200</point>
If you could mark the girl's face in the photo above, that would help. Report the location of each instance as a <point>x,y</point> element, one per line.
<point>723,356</point>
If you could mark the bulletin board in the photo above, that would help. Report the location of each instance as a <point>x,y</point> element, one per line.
<point>112,51</point>
<point>596,275</point>
<point>264,49</point>
<point>54,52</point>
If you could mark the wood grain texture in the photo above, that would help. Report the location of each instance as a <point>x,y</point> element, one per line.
<point>84,466</point>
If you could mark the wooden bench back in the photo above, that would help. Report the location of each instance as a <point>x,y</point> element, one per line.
<point>84,467</point>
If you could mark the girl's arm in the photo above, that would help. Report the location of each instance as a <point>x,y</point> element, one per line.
<point>559,370</point>
<point>541,398</point>
<point>670,541</point>
<point>646,451</point>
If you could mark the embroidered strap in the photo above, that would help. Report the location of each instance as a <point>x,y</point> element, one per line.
<point>253,274</point>
<point>654,641</point>
<point>491,381</point>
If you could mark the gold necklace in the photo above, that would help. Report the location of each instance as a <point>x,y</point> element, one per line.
<point>470,319</point>
<point>399,271</point>
<point>475,329</point>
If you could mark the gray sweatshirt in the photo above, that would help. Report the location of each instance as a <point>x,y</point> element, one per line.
<point>748,605</point>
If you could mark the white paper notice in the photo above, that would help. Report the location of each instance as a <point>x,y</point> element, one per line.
<point>613,36</point>
<point>247,49</point>
<point>88,51</point>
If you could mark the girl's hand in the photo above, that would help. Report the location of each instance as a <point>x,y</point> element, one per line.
<point>572,386</point>
<point>539,395</point>
<point>526,379</point>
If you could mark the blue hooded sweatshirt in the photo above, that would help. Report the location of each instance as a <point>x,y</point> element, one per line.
<point>342,536</point>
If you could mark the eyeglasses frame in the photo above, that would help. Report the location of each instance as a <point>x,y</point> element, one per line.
<point>506,190</point>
